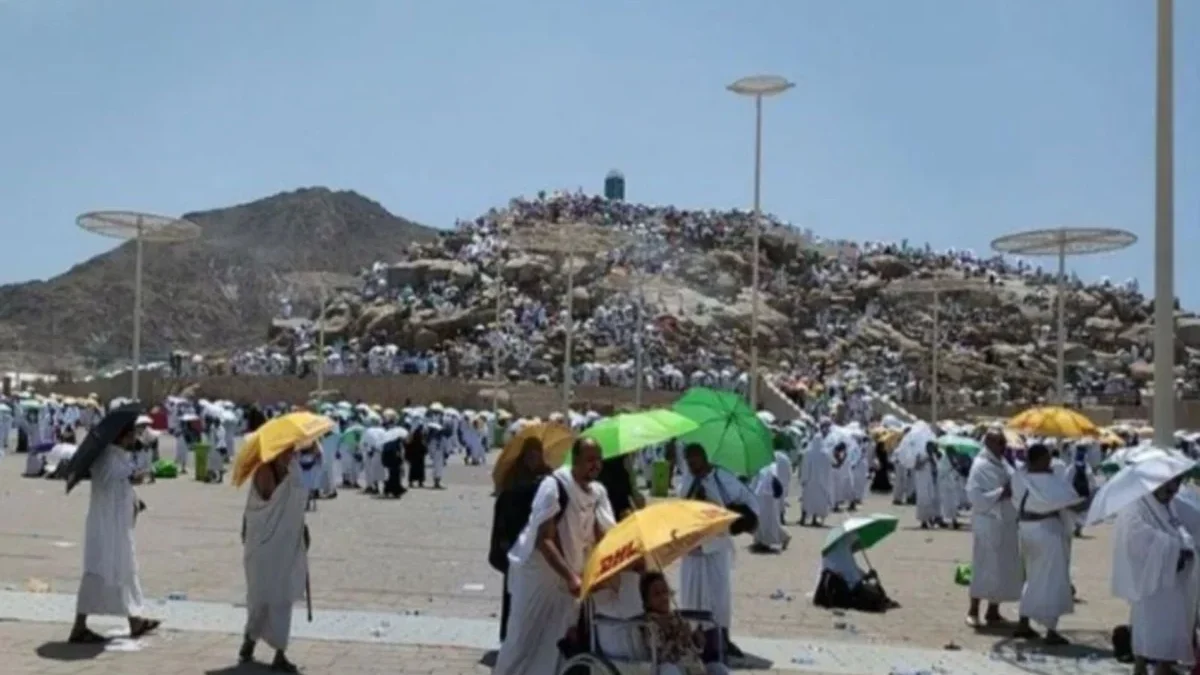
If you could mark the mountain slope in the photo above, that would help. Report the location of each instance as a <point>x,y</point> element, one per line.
<point>213,293</point>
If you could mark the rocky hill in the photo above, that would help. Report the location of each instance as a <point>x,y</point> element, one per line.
<point>828,308</point>
<point>213,293</point>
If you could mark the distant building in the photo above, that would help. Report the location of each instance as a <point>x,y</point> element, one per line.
<point>614,186</point>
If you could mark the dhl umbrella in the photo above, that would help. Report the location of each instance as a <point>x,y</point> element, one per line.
<point>294,430</point>
<point>659,534</point>
<point>556,441</point>
<point>1053,422</point>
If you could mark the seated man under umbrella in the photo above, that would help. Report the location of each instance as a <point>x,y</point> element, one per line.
<point>842,583</point>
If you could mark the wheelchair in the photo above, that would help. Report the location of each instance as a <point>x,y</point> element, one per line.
<point>644,660</point>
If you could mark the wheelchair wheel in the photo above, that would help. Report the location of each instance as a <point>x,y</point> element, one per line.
<point>588,664</point>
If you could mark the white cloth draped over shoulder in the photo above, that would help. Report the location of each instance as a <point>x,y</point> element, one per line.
<point>1147,545</point>
<point>110,584</point>
<point>771,508</point>
<point>995,552</point>
<point>274,558</point>
<point>705,574</point>
<point>926,478</point>
<point>542,609</point>
<point>816,480</point>
<point>949,487</point>
<point>1045,545</point>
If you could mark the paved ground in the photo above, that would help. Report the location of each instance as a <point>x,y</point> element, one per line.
<point>423,559</point>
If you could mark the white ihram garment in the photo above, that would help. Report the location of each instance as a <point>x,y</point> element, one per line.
<point>705,573</point>
<point>995,552</point>
<point>542,609</point>
<point>437,456</point>
<point>770,530</point>
<point>181,452</point>
<point>926,478</point>
<point>1045,545</point>
<point>110,584</point>
<point>816,482</point>
<point>274,559</point>
<point>1146,547</point>
<point>949,488</point>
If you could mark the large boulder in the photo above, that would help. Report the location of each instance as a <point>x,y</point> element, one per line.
<point>418,273</point>
<point>1188,331</point>
<point>887,266</point>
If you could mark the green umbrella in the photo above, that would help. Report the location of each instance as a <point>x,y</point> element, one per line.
<point>729,431</point>
<point>623,434</point>
<point>352,435</point>
<point>869,530</point>
<point>960,444</point>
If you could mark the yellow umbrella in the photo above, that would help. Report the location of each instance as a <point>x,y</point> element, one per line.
<point>556,441</point>
<point>294,430</point>
<point>891,438</point>
<point>1053,422</point>
<point>1110,437</point>
<point>660,534</point>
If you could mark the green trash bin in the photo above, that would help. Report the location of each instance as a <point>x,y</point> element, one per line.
<point>200,460</point>
<point>660,478</point>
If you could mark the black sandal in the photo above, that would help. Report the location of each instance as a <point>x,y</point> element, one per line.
<point>143,627</point>
<point>86,636</point>
<point>282,665</point>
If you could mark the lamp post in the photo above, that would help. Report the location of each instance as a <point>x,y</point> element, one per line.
<point>759,87</point>
<point>140,227</point>
<point>933,287</point>
<point>1061,242</point>
<point>1164,229</point>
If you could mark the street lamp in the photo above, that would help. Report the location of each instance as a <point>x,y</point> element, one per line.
<point>760,87</point>
<point>140,227</point>
<point>1164,229</point>
<point>933,287</point>
<point>1062,242</point>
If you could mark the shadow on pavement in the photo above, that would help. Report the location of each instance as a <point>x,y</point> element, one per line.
<point>1088,651</point>
<point>65,651</point>
<point>252,668</point>
<point>750,662</point>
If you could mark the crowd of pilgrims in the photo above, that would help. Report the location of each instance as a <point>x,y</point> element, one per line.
<point>1024,506</point>
<point>657,232</point>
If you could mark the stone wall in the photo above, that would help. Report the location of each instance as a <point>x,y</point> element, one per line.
<point>388,391</point>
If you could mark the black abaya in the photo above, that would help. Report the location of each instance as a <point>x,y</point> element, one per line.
<point>414,454</point>
<point>509,516</point>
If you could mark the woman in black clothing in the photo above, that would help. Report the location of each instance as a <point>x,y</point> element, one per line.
<point>513,505</point>
<point>414,454</point>
<point>882,481</point>
<point>617,481</point>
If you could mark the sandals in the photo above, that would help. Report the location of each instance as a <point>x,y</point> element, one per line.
<point>142,627</point>
<point>86,637</point>
<point>282,665</point>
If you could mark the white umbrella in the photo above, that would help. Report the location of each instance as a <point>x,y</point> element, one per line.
<point>395,434</point>
<point>1148,471</point>
<point>913,444</point>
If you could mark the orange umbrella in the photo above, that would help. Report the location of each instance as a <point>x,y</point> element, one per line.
<point>556,441</point>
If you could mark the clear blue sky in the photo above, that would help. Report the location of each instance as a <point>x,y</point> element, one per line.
<point>937,120</point>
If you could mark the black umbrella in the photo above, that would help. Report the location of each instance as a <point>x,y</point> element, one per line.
<point>112,427</point>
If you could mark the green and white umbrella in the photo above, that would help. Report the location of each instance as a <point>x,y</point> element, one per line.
<point>960,444</point>
<point>867,530</point>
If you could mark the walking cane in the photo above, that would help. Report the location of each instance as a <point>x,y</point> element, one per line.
<point>308,595</point>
